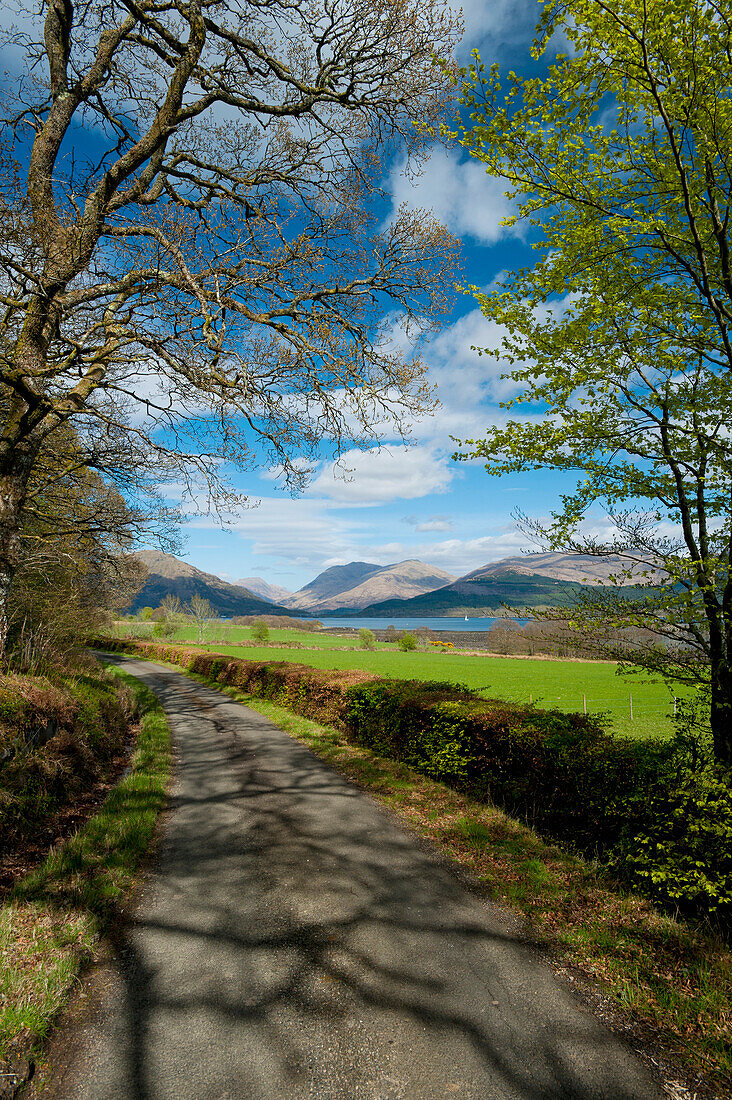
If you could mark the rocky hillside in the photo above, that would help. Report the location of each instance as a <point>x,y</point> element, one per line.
<point>169,576</point>
<point>579,568</point>
<point>481,593</point>
<point>274,593</point>
<point>354,586</point>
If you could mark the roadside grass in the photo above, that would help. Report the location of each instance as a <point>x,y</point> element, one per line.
<point>53,921</point>
<point>550,683</point>
<point>663,975</point>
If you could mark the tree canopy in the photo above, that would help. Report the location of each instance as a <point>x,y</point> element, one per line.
<point>192,250</point>
<point>619,161</point>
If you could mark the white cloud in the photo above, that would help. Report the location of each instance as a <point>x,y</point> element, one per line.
<point>497,20</point>
<point>430,523</point>
<point>463,555</point>
<point>460,194</point>
<point>300,532</point>
<point>380,475</point>
<point>434,525</point>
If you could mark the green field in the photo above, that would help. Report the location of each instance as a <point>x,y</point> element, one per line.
<point>550,683</point>
<point>218,634</point>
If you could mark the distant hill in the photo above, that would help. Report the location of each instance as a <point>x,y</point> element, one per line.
<point>581,568</point>
<point>482,593</point>
<point>274,593</point>
<point>353,586</point>
<point>169,576</point>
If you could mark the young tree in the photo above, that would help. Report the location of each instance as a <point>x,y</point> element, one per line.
<point>202,614</point>
<point>259,631</point>
<point>191,261</point>
<point>620,162</point>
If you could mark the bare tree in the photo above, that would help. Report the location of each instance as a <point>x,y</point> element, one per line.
<point>192,260</point>
<point>202,614</point>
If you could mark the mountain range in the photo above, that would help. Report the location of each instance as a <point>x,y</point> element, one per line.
<point>403,590</point>
<point>274,593</point>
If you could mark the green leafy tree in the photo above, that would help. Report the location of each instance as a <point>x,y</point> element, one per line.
<point>366,638</point>
<point>260,631</point>
<point>617,339</point>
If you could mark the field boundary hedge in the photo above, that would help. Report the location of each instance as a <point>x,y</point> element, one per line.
<point>663,825</point>
<point>57,738</point>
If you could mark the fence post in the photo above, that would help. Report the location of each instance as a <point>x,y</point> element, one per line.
<point>584,703</point>
<point>630,696</point>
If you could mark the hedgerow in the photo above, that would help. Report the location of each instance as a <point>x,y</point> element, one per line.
<point>660,824</point>
<point>57,736</point>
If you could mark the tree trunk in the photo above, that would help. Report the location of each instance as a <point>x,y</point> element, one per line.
<point>13,488</point>
<point>721,711</point>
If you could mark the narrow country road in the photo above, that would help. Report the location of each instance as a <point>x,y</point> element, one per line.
<point>293,942</point>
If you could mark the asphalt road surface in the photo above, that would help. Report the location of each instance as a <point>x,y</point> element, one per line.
<point>293,942</point>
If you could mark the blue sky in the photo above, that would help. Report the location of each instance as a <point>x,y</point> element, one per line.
<point>412,502</point>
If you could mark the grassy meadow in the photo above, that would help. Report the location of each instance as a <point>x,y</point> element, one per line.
<point>549,683</point>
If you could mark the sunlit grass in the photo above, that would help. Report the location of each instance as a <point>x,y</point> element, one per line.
<point>566,685</point>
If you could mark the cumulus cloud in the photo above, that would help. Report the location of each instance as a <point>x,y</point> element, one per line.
<point>460,194</point>
<point>380,475</point>
<point>300,532</point>
<point>431,523</point>
<point>497,21</point>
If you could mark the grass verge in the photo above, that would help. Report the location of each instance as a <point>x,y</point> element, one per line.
<point>665,976</point>
<point>53,922</point>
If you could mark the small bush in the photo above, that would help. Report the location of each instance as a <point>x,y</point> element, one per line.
<point>259,631</point>
<point>164,629</point>
<point>366,638</point>
<point>407,642</point>
<point>681,855</point>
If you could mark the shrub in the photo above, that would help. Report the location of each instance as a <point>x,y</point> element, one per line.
<point>56,739</point>
<point>366,638</point>
<point>407,642</point>
<point>259,631</point>
<point>164,628</point>
<point>681,855</point>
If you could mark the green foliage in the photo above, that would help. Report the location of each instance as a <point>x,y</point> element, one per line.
<point>259,631</point>
<point>407,643</point>
<point>681,854</point>
<point>164,628</point>
<point>56,739</point>
<point>50,926</point>
<point>620,159</point>
<point>560,772</point>
<point>366,638</point>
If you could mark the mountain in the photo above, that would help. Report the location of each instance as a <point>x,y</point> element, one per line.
<point>169,576</point>
<point>353,586</point>
<point>581,568</point>
<point>484,594</point>
<point>274,593</point>
<point>528,580</point>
